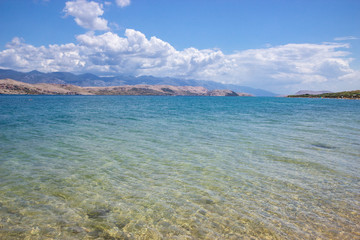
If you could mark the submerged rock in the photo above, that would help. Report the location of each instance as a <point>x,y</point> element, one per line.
<point>322,145</point>
<point>98,213</point>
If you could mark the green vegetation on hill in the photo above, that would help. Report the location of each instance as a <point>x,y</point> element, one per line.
<point>347,95</point>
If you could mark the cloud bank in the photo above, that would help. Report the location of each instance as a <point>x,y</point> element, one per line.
<point>282,69</point>
<point>286,67</point>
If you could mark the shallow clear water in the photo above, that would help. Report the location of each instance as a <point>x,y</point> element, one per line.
<point>131,167</point>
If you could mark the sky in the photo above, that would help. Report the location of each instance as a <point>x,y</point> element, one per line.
<point>279,45</point>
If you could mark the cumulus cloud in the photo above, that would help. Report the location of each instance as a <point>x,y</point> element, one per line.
<point>21,56</point>
<point>87,14</point>
<point>123,3</point>
<point>283,69</point>
<point>290,65</point>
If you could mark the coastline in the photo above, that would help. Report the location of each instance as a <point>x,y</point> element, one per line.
<point>352,95</point>
<point>12,87</point>
<point>328,98</point>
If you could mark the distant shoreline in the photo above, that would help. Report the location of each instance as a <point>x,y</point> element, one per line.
<point>352,95</point>
<point>12,87</point>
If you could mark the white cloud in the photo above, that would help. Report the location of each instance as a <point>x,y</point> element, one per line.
<point>25,57</point>
<point>345,38</point>
<point>123,3</point>
<point>87,14</point>
<point>283,69</point>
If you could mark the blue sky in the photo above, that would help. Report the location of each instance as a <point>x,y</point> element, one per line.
<point>282,46</point>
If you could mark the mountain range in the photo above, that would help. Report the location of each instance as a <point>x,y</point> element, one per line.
<point>92,80</point>
<point>309,92</point>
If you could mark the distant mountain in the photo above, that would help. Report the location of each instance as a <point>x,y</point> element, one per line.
<point>303,92</point>
<point>91,80</point>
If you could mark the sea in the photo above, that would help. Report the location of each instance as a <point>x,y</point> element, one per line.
<point>164,167</point>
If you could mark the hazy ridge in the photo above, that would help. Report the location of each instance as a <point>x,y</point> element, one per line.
<point>310,92</point>
<point>91,80</point>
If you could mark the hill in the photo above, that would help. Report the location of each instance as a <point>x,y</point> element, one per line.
<point>9,86</point>
<point>91,80</point>
<point>340,95</point>
<point>303,92</point>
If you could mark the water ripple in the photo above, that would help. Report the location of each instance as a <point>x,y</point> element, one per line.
<point>107,167</point>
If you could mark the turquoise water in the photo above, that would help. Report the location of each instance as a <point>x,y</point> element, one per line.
<point>132,167</point>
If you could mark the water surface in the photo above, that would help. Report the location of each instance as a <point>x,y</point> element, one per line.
<point>132,167</point>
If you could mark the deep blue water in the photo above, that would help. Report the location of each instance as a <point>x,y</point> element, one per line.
<point>134,167</point>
